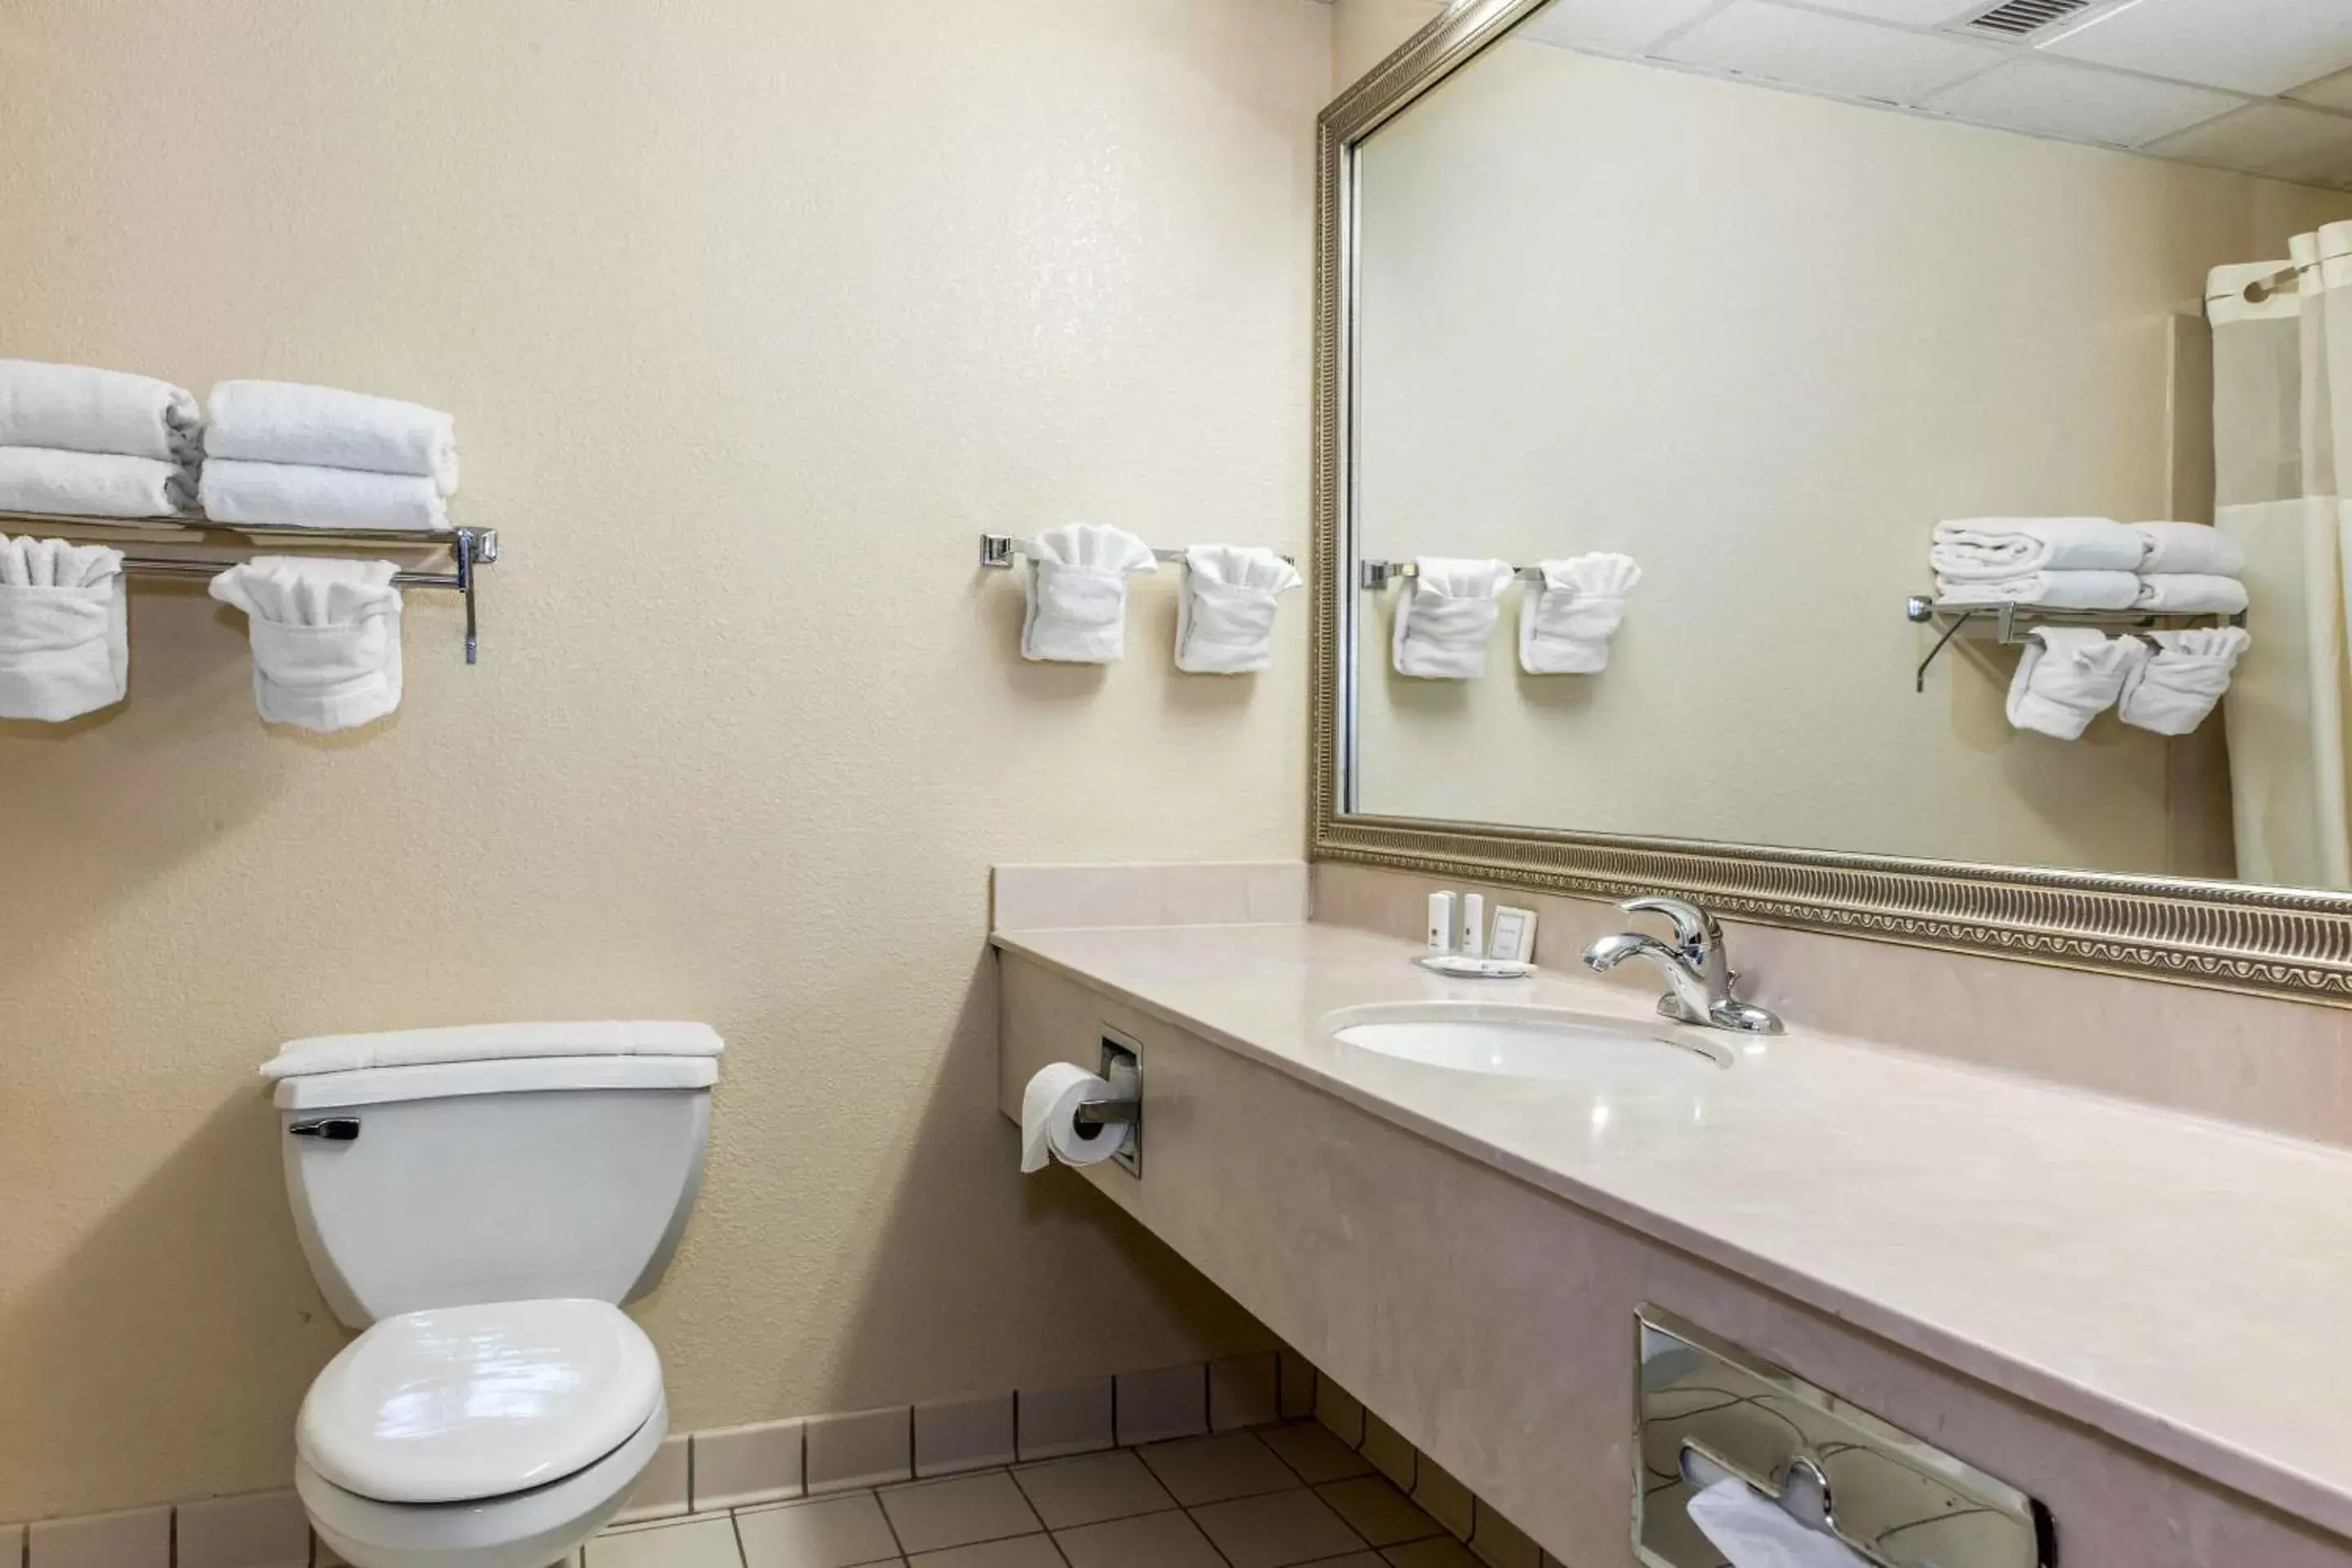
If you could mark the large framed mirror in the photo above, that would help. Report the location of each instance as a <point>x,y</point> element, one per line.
<point>1734,423</point>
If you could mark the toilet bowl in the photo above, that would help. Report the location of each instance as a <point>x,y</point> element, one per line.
<point>479,1201</point>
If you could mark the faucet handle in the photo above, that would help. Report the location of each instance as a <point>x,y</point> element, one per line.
<point>1696,932</point>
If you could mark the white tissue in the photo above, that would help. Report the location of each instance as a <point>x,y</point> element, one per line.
<point>1754,1533</point>
<point>1049,1109</point>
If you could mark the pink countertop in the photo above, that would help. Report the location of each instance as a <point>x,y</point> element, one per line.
<point>2182,1285</point>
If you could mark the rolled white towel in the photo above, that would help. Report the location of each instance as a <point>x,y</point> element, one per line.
<point>2004,547</point>
<point>2189,547</point>
<point>90,484</point>
<point>1224,612</point>
<point>2067,676</point>
<point>1077,587</point>
<point>80,408</point>
<point>1445,615</point>
<point>2056,590</point>
<point>65,642</point>
<point>1567,619</point>
<point>323,427</point>
<point>326,638</point>
<point>294,495</point>
<point>2191,592</point>
<point>2173,690</point>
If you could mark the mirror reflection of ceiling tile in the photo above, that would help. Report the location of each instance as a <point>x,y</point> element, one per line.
<point>2252,46</point>
<point>1828,53</point>
<point>2274,139</point>
<point>2048,98</point>
<point>1611,26</point>
<point>2328,91</point>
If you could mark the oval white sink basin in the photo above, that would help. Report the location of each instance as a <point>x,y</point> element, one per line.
<point>1510,1040</point>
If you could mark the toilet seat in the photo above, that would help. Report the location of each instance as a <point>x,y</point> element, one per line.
<point>464,1404</point>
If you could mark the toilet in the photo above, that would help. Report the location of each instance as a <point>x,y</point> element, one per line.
<point>479,1201</point>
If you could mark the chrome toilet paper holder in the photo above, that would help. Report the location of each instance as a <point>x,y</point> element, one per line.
<point>1122,1068</point>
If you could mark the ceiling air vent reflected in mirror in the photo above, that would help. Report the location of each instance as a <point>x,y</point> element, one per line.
<point>2022,18</point>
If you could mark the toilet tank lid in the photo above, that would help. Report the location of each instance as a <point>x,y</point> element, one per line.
<point>490,1042</point>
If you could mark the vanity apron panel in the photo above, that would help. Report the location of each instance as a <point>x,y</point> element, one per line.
<point>1492,1322</point>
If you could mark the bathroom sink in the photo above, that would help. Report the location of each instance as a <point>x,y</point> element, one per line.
<point>1510,1040</point>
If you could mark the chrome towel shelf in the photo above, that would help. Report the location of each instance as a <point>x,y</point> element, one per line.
<point>2012,623</point>
<point>1374,575</point>
<point>999,551</point>
<point>468,547</point>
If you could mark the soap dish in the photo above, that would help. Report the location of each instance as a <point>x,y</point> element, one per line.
<point>1462,968</point>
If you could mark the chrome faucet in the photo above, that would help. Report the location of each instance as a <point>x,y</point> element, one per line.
<point>1699,980</point>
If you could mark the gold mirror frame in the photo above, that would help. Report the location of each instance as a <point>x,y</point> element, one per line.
<point>2230,935</point>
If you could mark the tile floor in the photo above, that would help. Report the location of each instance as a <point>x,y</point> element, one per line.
<point>1273,1498</point>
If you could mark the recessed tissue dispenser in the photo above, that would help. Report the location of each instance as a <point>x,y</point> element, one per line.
<point>1709,1414</point>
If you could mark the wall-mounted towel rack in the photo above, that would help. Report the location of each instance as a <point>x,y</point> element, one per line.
<point>1000,549</point>
<point>2011,624</point>
<point>468,547</point>
<point>1375,576</point>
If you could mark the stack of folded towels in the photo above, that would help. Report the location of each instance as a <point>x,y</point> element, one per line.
<point>93,443</point>
<point>2088,564</point>
<point>282,455</point>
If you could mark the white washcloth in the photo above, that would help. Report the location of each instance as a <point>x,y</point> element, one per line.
<point>292,495</point>
<point>326,638</point>
<point>2189,547</point>
<point>2172,692</point>
<point>2191,592</point>
<point>65,643</point>
<point>1225,611</point>
<point>321,427</point>
<point>1752,1532</point>
<point>2058,590</point>
<point>1077,592</point>
<point>1566,621</point>
<point>89,484</point>
<point>2002,547</point>
<point>82,409</point>
<point>1446,616</point>
<point>2067,676</point>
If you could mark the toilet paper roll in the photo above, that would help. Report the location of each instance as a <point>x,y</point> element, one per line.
<point>1753,1531</point>
<point>1049,1111</point>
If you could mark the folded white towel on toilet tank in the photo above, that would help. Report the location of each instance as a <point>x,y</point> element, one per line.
<point>326,638</point>
<point>2067,676</point>
<point>1077,586</point>
<point>65,645</point>
<point>326,427</point>
<point>1567,619</point>
<point>78,408</point>
<point>2002,547</point>
<point>1224,612</point>
<point>1446,616</point>
<point>2172,692</point>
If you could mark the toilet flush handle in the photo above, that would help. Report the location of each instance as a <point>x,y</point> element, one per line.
<point>333,1129</point>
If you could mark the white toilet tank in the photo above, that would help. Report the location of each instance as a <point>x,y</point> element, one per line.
<point>498,1162</point>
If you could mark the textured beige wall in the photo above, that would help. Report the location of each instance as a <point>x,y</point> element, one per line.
<point>1762,342</point>
<point>1364,32</point>
<point>752,314</point>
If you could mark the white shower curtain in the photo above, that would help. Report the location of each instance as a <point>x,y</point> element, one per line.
<point>2282,433</point>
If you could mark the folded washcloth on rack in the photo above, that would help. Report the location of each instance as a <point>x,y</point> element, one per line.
<point>2187,547</point>
<point>1077,586</point>
<point>1998,548</point>
<point>2067,676</point>
<point>1567,619</point>
<point>324,427</point>
<point>2054,590</point>
<point>65,642</point>
<point>326,638</point>
<point>82,409</point>
<point>89,484</point>
<point>1446,616</point>
<point>2190,593</point>
<point>1224,610</point>
<point>294,495</point>
<point>2172,692</point>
